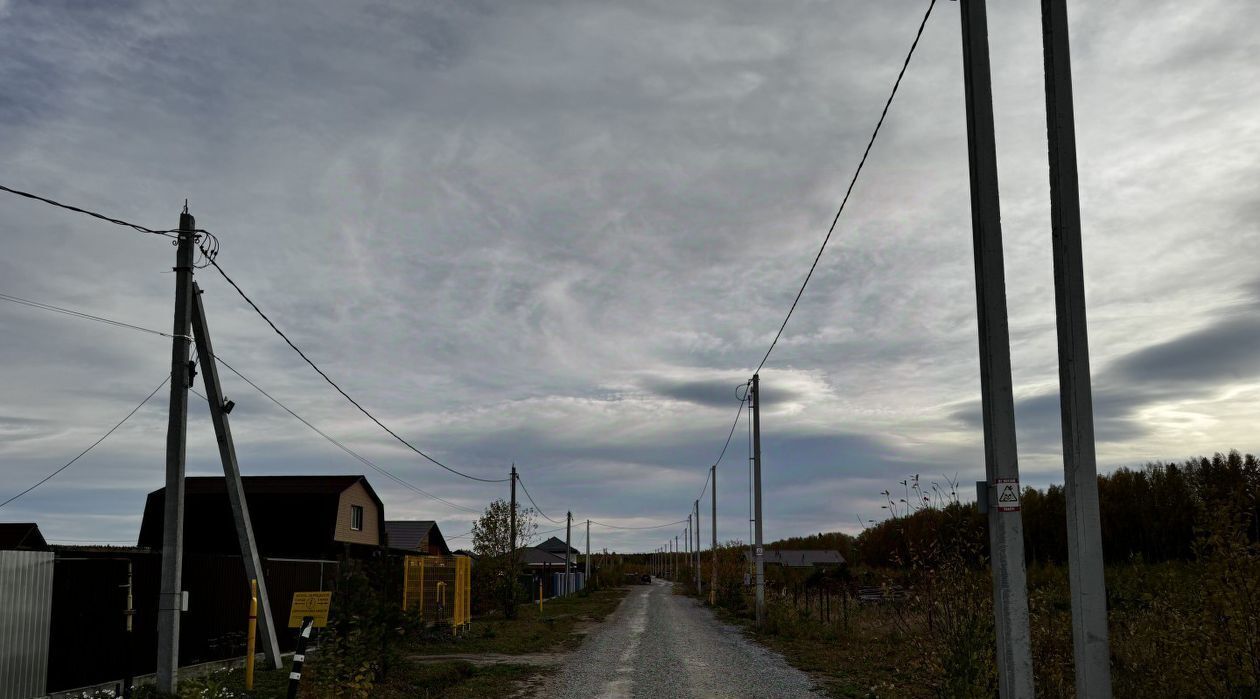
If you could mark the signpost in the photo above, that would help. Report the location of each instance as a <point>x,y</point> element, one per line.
<point>310,604</point>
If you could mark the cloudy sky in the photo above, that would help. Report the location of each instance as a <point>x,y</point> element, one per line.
<point>560,234</point>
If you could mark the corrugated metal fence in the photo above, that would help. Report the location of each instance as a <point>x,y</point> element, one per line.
<point>26,585</point>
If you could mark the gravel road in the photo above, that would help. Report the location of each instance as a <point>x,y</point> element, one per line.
<point>661,645</point>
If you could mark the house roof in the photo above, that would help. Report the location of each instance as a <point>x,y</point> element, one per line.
<point>554,545</point>
<point>801,559</point>
<point>537,556</point>
<point>21,536</point>
<point>278,485</point>
<point>407,534</point>
<point>292,515</point>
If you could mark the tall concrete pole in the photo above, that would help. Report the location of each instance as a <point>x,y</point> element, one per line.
<point>696,550</point>
<point>568,524</point>
<point>232,479</point>
<point>713,531</point>
<point>588,552</point>
<point>1006,531</point>
<point>758,552</point>
<point>170,595</point>
<point>511,583</point>
<point>1080,470</point>
<point>687,545</point>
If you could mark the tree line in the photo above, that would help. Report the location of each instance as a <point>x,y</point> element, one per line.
<point>1153,513</point>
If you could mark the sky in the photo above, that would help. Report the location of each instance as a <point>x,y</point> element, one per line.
<point>560,234</point>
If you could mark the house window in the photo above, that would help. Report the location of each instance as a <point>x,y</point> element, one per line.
<point>356,517</point>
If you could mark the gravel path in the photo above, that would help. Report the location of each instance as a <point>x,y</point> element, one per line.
<point>658,644</point>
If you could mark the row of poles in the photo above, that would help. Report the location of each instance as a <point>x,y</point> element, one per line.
<point>568,548</point>
<point>1015,673</point>
<point>1091,647</point>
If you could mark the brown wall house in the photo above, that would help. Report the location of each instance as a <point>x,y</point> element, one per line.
<point>292,516</point>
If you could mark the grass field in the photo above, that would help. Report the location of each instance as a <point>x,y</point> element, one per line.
<point>556,628</point>
<point>1177,629</point>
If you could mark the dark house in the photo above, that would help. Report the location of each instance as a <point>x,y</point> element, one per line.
<point>801,559</point>
<point>416,537</point>
<point>556,546</point>
<point>308,517</point>
<point>21,536</point>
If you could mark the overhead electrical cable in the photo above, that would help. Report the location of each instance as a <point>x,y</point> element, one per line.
<point>86,316</point>
<point>338,388</point>
<point>69,463</point>
<point>654,526</point>
<point>852,183</point>
<point>256,387</point>
<point>538,509</point>
<point>362,459</point>
<point>169,233</point>
<point>209,248</point>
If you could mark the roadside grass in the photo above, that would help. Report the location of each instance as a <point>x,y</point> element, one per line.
<point>531,631</point>
<point>869,659</point>
<point>1176,629</point>
<point>410,680</point>
<point>552,629</point>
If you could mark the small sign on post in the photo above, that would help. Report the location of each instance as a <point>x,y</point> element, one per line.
<point>310,604</point>
<point>1007,494</point>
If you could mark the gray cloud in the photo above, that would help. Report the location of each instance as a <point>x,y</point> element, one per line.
<point>561,232</point>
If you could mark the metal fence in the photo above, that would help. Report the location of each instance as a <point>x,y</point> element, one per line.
<point>90,639</point>
<point>438,588</point>
<point>26,586</point>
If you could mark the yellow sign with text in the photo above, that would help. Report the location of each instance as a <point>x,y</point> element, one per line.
<point>312,604</point>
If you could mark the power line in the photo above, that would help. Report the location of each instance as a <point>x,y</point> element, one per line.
<point>86,316</point>
<point>332,383</point>
<point>169,233</point>
<point>256,387</point>
<point>67,465</point>
<point>531,501</point>
<point>362,459</point>
<point>852,182</point>
<point>209,247</point>
<point>654,526</point>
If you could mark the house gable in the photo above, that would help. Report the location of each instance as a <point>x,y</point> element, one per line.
<point>358,496</point>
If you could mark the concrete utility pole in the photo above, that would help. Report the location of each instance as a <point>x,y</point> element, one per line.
<point>588,552</point>
<point>713,531</point>
<point>758,553</point>
<point>1006,531</point>
<point>170,595</point>
<point>677,561</point>
<point>568,524</point>
<point>512,546</point>
<point>219,408</point>
<point>687,546</point>
<point>696,550</point>
<point>1080,470</point>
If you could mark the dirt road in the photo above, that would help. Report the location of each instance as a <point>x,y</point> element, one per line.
<point>660,645</point>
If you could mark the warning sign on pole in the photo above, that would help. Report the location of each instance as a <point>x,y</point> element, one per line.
<point>1007,494</point>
